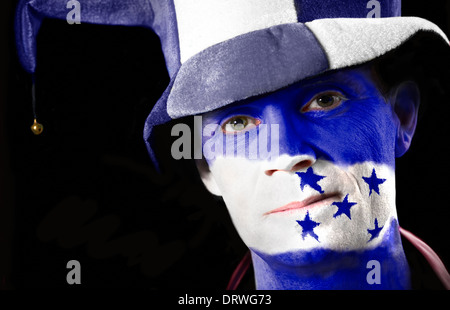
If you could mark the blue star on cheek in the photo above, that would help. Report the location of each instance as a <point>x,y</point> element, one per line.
<point>343,207</point>
<point>308,226</point>
<point>311,179</point>
<point>374,232</point>
<point>373,181</point>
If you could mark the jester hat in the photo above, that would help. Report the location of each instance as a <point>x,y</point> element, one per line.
<point>218,52</point>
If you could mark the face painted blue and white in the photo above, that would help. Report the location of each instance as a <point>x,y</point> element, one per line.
<point>331,183</point>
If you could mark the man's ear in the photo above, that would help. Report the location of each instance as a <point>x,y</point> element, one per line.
<point>207,177</point>
<point>406,101</point>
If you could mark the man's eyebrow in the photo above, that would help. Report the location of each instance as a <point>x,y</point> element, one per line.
<point>358,85</point>
<point>352,83</point>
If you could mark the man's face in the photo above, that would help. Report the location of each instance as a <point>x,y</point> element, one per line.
<point>330,184</point>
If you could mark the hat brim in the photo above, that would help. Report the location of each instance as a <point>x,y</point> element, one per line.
<point>267,60</point>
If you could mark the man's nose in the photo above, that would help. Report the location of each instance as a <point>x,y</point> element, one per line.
<point>287,163</point>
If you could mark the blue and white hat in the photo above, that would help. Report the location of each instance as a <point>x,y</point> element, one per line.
<point>221,51</point>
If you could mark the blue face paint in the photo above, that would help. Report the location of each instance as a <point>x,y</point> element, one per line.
<point>373,181</point>
<point>316,213</point>
<point>361,128</point>
<point>344,207</point>
<point>335,270</point>
<point>310,179</point>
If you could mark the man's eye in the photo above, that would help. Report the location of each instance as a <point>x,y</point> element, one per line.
<point>324,101</point>
<point>239,124</point>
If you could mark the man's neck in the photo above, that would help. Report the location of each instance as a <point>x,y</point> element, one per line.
<point>382,267</point>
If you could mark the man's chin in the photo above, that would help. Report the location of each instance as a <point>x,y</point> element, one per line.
<point>332,248</point>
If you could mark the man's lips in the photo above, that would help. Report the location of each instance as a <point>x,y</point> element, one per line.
<point>307,203</point>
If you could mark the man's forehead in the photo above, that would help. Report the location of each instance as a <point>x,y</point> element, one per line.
<point>356,80</point>
<point>355,74</point>
<point>359,78</point>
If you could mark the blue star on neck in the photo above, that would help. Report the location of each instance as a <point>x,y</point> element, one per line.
<point>343,207</point>
<point>374,232</point>
<point>373,182</point>
<point>308,226</point>
<point>311,179</point>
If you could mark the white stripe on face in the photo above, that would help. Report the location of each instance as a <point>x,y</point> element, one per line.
<point>254,198</point>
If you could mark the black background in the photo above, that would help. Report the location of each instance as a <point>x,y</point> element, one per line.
<point>85,189</point>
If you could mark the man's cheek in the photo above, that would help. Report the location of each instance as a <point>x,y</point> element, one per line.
<point>356,137</point>
<point>254,145</point>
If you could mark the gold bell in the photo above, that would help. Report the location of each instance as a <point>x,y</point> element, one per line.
<point>37,128</point>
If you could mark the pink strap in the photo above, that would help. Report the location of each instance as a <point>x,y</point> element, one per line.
<point>433,259</point>
<point>239,272</point>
